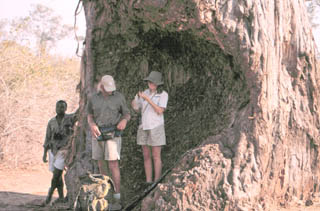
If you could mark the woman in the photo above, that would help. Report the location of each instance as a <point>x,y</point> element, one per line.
<point>151,134</point>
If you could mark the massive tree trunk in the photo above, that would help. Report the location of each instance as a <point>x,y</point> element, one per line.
<point>243,98</point>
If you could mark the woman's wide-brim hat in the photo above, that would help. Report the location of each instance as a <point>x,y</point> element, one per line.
<point>155,77</point>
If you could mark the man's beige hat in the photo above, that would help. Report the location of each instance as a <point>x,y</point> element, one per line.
<point>108,83</point>
<point>155,77</point>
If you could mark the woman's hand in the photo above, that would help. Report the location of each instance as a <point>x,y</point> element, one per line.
<point>156,108</point>
<point>143,96</point>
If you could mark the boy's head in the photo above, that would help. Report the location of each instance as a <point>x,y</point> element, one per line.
<point>61,107</point>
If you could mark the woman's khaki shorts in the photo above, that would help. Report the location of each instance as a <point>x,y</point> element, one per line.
<point>153,137</point>
<point>106,150</point>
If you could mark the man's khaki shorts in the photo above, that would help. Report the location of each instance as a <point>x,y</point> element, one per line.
<point>153,137</point>
<point>106,150</point>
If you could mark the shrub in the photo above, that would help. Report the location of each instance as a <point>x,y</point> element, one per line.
<point>29,89</point>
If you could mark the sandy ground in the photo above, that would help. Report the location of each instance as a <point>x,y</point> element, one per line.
<point>26,189</point>
<point>300,206</point>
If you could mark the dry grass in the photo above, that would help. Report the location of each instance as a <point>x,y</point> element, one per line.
<point>29,89</point>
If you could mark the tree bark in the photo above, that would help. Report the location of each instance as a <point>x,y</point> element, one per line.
<point>242,82</point>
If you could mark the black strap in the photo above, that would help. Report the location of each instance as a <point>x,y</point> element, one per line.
<point>136,201</point>
<point>145,108</point>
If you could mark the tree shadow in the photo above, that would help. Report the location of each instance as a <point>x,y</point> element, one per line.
<point>24,202</point>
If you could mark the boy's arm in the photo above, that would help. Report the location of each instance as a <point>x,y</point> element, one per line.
<point>46,143</point>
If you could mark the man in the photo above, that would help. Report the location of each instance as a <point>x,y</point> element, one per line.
<point>108,109</point>
<point>59,131</point>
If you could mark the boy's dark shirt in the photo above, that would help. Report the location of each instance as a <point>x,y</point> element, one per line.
<point>57,136</point>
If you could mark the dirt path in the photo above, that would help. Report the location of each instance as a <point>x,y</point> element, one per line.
<point>26,189</point>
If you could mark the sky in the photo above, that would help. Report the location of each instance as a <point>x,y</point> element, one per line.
<point>10,9</point>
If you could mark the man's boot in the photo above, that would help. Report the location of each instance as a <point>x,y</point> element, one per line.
<point>49,197</point>
<point>60,192</point>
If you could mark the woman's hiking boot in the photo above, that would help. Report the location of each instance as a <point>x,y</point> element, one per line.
<point>115,205</point>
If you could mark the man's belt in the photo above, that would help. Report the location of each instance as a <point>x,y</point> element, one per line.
<point>108,133</point>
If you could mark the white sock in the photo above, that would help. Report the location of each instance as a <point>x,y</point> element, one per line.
<point>116,195</point>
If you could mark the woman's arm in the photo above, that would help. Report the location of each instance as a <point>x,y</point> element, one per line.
<point>159,110</point>
<point>135,104</point>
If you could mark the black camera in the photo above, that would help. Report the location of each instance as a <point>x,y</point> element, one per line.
<point>57,136</point>
<point>68,129</point>
<point>104,137</point>
<point>108,133</point>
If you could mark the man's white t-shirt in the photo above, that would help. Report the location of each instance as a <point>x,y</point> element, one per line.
<point>150,119</point>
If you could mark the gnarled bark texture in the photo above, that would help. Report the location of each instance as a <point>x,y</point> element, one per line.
<point>243,98</point>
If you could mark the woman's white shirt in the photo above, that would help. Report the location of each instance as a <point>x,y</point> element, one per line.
<point>150,119</point>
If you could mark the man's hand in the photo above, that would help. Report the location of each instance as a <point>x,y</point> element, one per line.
<point>93,127</point>
<point>122,124</point>
<point>95,130</point>
<point>44,158</point>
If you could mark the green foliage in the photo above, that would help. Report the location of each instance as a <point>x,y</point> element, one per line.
<point>42,27</point>
<point>3,24</point>
<point>313,7</point>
